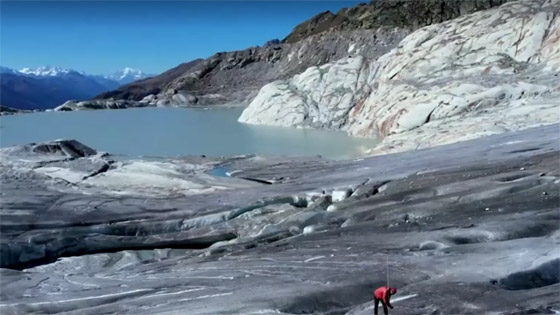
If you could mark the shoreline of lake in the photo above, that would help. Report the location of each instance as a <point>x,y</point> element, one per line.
<point>172,132</point>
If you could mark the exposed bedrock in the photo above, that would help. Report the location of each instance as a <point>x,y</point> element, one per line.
<point>479,74</point>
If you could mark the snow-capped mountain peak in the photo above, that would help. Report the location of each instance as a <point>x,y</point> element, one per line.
<point>128,70</point>
<point>45,71</point>
<point>127,75</point>
<point>47,87</point>
<point>121,77</point>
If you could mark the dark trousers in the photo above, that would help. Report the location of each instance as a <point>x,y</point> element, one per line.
<point>385,310</point>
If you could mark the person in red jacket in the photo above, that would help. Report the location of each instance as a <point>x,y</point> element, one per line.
<point>383,294</point>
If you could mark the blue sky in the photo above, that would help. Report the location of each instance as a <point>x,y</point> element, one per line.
<point>105,36</point>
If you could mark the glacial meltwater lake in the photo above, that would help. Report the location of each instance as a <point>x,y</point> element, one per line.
<point>176,131</point>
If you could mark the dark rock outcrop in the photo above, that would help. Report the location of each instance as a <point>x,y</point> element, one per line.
<point>543,275</point>
<point>4,110</point>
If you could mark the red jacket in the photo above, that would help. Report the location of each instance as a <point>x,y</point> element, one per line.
<point>383,294</point>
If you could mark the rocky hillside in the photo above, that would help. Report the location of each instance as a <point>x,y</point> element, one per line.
<point>388,14</point>
<point>138,89</point>
<point>479,74</point>
<point>235,77</point>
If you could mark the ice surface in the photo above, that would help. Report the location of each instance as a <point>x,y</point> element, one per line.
<point>463,227</point>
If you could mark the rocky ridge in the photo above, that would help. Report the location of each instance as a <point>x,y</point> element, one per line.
<point>388,14</point>
<point>486,72</point>
<point>235,77</point>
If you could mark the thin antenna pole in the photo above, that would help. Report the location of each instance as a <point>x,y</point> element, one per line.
<point>387,271</point>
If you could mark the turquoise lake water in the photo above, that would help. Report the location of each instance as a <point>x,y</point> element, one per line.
<point>176,131</point>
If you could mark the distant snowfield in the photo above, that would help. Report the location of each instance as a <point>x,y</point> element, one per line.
<point>45,71</point>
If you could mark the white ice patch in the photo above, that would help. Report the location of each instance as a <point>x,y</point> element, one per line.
<point>402,298</point>
<point>206,296</point>
<point>313,258</point>
<point>341,194</point>
<point>62,173</point>
<point>308,229</point>
<point>141,177</point>
<point>178,292</point>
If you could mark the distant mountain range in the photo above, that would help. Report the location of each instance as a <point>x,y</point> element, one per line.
<point>48,87</point>
<point>127,75</point>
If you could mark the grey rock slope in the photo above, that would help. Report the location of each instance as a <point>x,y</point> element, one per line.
<point>138,89</point>
<point>471,227</point>
<point>235,77</point>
